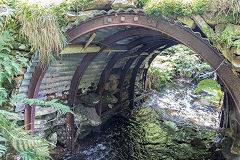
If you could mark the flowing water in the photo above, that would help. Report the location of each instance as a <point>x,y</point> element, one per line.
<point>172,124</point>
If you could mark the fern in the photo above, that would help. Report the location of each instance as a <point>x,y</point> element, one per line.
<point>10,65</point>
<point>62,109</point>
<point>9,115</point>
<point>29,144</point>
<point>27,155</point>
<point>3,95</point>
<point>21,140</point>
<point>29,147</point>
<point>3,149</point>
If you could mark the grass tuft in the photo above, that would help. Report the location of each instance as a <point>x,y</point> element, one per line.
<point>40,27</point>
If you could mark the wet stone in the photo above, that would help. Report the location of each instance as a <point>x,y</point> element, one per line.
<point>90,100</point>
<point>61,134</point>
<point>87,115</point>
<point>108,98</point>
<point>53,139</point>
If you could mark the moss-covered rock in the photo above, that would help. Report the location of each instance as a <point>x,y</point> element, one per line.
<point>99,5</point>
<point>87,115</point>
<point>123,4</point>
<point>209,19</point>
<point>187,21</point>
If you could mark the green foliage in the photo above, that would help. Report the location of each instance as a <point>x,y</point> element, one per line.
<point>176,62</point>
<point>31,147</point>
<point>211,86</point>
<point>142,3</point>
<point>3,150</point>
<point>229,37</point>
<point>60,12</point>
<point>159,77</point>
<point>174,8</point>
<point>199,6</point>
<point>79,5</point>
<point>3,95</point>
<point>10,65</point>
<point>224,11</point>
<point>63,109</point>
<point>187,63</point>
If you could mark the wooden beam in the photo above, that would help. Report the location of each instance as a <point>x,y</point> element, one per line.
<point>71,49</point>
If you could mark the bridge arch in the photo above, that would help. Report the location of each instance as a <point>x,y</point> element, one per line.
<point>134,37</point>
<point>174,30</point>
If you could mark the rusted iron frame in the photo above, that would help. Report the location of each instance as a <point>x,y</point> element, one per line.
<point>133,79</point>
<point>33,90</point>
<point>222,113</point>
<point>149,38</point>
<point>122,78</point>
<point>136,70</point>
<point>150,61</point>
<point>148,41</point>
<point>104,44</point>
<point>134,75</point>
<point>37,79</point>
<point>174,30</point>
<point>82,67</point>
<point>123,75</point>
<point>107,42</point>
<point>107,70</point>
<point>117,57</point>
<point>78,74</point>
<point>226,110</point>
<point>124,34</point>
<point>146,70</point>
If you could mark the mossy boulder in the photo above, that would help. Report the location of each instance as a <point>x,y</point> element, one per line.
<point>123,4</point>
<point>209,19</point>
<point>86,116</point>
<point>99,5</point>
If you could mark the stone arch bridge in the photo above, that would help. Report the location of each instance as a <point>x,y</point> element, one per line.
<point>107,54</point>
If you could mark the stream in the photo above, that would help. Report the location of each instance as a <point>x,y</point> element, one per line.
<point>172,124</point>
